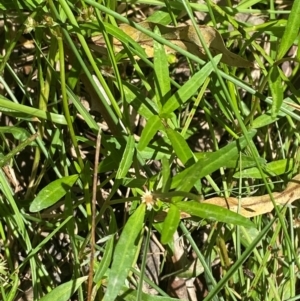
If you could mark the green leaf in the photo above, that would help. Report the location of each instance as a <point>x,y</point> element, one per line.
<point>17,149</point>
<point>6,104</point>
<point>291,30</point>
<point>125,252</point>
<point>18,133</point>
<point>136,98</point>
<point>161,68</point>
<point>64,291</point>
<point>161,16</point>
<point>185,180</point>
<point>214,212</point>
<point>126,160</point>
<point>52,193</point>
<point>246,161</point>
<point>180,146</point>
<point>124,38</point>
<point>170,224</point>
<point>131,295</point>
<point>13,290</point>
<point>19,5</point>
<point>151,128</point>
<point>106,258</point>
<point>272,169</point>
<point>266,118</point>
<point>188,89</point>
<point>165,174</point>
<point>276,90</point>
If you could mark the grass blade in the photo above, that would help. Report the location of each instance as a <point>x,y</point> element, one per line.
<point>291,30</point>
<point>188,89</point>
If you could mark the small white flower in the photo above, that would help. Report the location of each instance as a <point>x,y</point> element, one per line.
<point>148,199</point>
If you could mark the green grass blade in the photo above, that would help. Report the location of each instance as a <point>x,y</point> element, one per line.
<point>107,256</point>
<point>188,89</point>
<point>291,30</point>
<point>52,117</point>
<point>125,253</point>
<point>17,149</point>
<point>220,285</point>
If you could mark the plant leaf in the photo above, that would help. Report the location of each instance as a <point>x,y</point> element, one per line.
<point>18,133</point>
<point>185,180</point>
<point>52,193</point>
<point>188,89</point>
<point>214,212</point>
<point>106,258</point>
<point>184,37</point>
<point>180,146</point>
<point>64,291</point>
<point>276,90</point>
<point>161,75</point>
<point>131,295</point>
<point>151,128</point>
<point>124,254</point>
<point>170,224</point>
<point>291,30</point>
<point>126,160</point>
<point>272,169</point>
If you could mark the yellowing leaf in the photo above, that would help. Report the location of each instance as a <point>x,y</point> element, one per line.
<point>257,205</point>
<point>183,36</point>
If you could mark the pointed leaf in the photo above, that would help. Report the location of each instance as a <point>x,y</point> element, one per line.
<point>64,291</point>
<point>106,258</point>
<point>180,146</point>
<point>214,212</point>
<point>161,68</point>
<point>170,224</point>
<point>52,193</point>
<point>124,254</point>
<point>126,160</point>
<point>189,88</point>
<point>151,128</point>
<point>131,295</point>
<point>185,180</point>
<point>18,133</point>
<point>291,30</point>
<point>272,169</point>
<point>276,90</point>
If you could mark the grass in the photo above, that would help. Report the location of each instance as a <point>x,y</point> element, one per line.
<point>106,158</point>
